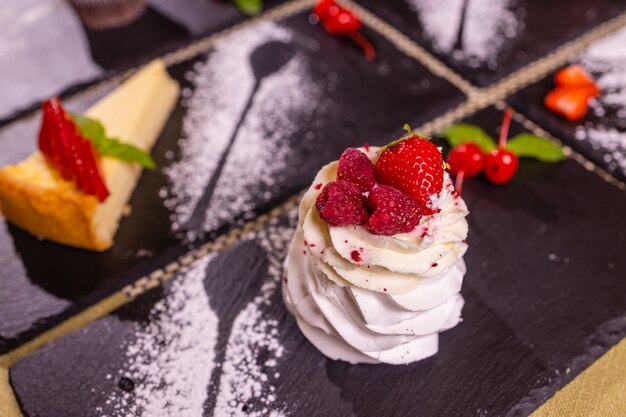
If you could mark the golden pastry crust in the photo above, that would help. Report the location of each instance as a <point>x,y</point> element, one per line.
<point>62,214</point>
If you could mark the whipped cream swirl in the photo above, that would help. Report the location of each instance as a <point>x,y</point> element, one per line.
<point>366,298</point>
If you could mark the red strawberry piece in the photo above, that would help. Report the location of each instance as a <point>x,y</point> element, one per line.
<point>341,203</point>
<point>356,167</point>
<point>69,152</point>
<point>415,167</point>
<point>575,76</point>
<point>52,126</point>
<point>392,211</point>
<point>570,102</point>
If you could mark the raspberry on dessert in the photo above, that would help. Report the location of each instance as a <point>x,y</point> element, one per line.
<point>413,166</point>
<point>341,203</point>
<point>392,211</point>
<point>356,167</point>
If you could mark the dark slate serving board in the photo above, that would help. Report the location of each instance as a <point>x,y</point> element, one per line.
<point>161,29</point>
<point>485,40</point>
<point>601,134</point>
<point>543,300</point>
<point>340,112</point>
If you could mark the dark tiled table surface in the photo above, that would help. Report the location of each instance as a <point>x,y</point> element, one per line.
<point>485,40</point>
<point>51,45</point>
<point>289,99</point>
<point>529,302</point>
<point>335,112</point>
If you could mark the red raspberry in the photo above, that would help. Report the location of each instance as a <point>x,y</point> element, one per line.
<point>413,166</point>
<point>341,203</point>
<point>392,211</point>
<point>356,167</point>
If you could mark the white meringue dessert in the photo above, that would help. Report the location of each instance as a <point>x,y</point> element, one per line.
<point>388,304</point>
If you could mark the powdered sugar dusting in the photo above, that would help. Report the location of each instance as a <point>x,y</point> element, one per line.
<point>247,386</point>
<point>487,29</point>
<point>259,163</point>
<point>606,61</point>
<point>252,169</point>
<point>171,360</point>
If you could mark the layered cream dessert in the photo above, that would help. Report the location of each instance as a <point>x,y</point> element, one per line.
<point>374,271</point>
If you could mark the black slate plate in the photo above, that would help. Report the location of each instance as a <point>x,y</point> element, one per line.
<point>495,37</point>
<point>334,99</point>
<point>543,301</point>
<point>601,134</point>
<point>161,29</point>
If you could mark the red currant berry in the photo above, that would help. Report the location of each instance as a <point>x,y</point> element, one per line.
<point>500,166</point>
<point>466,157</point>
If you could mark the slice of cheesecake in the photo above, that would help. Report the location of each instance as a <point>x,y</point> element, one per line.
<point>35,197</point>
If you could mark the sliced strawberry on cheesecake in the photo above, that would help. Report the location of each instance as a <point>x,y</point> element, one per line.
<point>74,189</point>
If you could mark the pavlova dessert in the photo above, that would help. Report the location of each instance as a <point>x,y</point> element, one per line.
<point>375,267</point>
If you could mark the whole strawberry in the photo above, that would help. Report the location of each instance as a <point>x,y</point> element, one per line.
<point>414,166</point>
<point>392,211</point>
<point>341,203</point>
<point>356,167</point>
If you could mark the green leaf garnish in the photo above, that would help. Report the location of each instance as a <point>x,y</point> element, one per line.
<point>526,145</point>
<point>462,133</point>
<point>249,7</point>
<point>407,127</point>
<point>94,131</point>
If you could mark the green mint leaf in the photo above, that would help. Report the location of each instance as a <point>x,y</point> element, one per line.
<point>91,129</point>
<point>94,131</point>
<point>126,152</point>
<point>407,127</point>
<point>526,145</point>
<point>462,133</point>
<point>249,7</point>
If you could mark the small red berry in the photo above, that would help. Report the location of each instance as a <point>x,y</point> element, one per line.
<point>341,203</point>
<point>500,166</point>
<point>344,23</point>
<point>326,9</point>
<point>466,157</point>
<point>415,167</point>
<point>500,163</point>
<point>356,167</point>
<point>392,211</point>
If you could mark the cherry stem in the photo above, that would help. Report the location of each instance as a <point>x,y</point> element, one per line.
<point>458,184</point>
<point>367,47</point>
<point>504,130</point>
